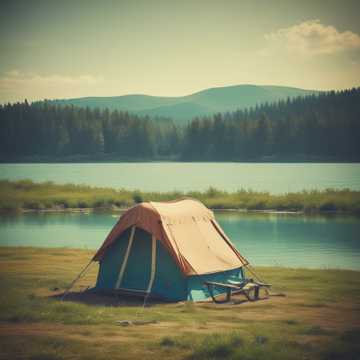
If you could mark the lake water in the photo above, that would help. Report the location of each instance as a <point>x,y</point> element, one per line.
<point>167,176</point>
<point>264,239</point>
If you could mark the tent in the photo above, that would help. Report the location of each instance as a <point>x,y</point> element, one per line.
<point>167,250</point>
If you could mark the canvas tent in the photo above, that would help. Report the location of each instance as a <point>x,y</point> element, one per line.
<point>168,250</point>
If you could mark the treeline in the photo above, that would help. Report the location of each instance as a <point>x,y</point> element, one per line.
<point>42,129</point>
<point>316,126</point>
<point>323,126</point>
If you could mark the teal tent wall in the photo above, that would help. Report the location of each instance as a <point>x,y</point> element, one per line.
<point>111,264</point>
<point>169,283</point>
<point>138,267</point>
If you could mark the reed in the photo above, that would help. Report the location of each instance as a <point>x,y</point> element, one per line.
<point>25,194</point>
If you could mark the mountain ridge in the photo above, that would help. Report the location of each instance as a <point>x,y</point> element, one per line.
<point>200,103</point>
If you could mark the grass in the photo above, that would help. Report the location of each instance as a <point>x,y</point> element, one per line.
<point>25,194</point>
<point>235,345</point>
<point>315,330</point>
<point>35,324</point>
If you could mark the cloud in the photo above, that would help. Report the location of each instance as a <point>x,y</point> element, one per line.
<point>15,85</point>
<point>312,38</point>
<point>14,77</point>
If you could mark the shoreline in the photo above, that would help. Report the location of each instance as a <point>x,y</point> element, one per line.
<point>121,210</point>
<point>90,160</point>
<point>47,197</point>
<point>216,210</point>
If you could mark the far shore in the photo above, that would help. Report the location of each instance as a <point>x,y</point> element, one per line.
<point>47,197</point>
<point>104,158</point>
<point>117,210</point>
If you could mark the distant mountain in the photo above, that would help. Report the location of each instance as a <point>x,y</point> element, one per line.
<point>185,108</point>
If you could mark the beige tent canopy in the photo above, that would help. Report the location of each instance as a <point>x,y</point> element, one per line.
<point>187,229</point>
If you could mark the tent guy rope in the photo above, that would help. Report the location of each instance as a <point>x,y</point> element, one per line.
<point>82,272</point>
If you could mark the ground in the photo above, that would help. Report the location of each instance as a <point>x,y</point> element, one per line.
<point>319,318</point>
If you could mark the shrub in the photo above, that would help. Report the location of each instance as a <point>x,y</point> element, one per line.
<point>137,197</point>
<point>34,205</point>
<point>82,204</point>
<point>328,206</point>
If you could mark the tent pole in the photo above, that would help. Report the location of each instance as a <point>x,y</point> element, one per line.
<point>126,257</point>
<point>82,272</point>
<point>248,266</point>
<point>152,275</point>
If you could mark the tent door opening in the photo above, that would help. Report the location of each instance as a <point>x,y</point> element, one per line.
<point>138,269</point>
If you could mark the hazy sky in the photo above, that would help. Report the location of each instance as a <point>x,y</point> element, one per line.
<point>62,49</point>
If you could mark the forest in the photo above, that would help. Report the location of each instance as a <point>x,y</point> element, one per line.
<point>325,126</point>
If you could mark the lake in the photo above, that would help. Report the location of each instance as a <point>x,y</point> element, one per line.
<point>167,176</point>
<point>265,239</point>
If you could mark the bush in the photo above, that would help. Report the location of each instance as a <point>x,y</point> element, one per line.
<point>10,206</point>
<point>328,206</point>
<point>34,205</point>
<point>82,204</point>
<point>137,197</point>
<point>62,203</point>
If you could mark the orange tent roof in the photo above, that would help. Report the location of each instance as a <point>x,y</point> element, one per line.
<point>187,229</point>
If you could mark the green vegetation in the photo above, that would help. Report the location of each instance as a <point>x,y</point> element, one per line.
<point>25,194</point>
<point>318,127</point>
<point>35,324</point>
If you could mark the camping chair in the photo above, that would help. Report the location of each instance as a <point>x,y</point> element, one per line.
<point>248,287</point>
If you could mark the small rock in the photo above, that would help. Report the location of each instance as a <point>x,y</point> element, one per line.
<point>124,322</point>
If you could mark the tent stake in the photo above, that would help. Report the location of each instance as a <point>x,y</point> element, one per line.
<point>82,272</point>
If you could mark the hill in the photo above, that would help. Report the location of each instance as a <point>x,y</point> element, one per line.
<point>184,108</point>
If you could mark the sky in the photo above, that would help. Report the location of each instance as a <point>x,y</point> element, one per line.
<point>66,49</point>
